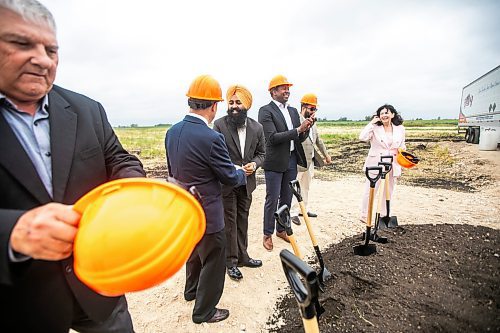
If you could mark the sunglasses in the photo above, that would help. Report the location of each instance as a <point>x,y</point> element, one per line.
<point>312,109</point>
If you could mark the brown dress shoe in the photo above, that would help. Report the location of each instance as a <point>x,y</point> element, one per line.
<point>283,236</point>
<point>268,242</point>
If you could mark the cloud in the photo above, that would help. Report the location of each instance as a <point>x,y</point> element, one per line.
<point>139,59</point>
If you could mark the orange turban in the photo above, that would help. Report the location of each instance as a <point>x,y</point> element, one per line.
<point>242,93</point>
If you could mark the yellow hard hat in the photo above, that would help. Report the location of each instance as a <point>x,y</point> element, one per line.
<point>405,159</point>
<point>279,80</point>
<point>206,88</point>
<point>310,99</point>
<point>135,233</point>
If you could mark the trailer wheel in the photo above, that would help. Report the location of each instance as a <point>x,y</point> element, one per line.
<point>468,135</point>
<point>475,137</point>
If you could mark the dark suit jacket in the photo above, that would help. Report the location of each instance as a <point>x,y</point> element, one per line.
<point>197,155</point>
<point>254,147</point>
<point>85,153</point>
<point>278,137</point>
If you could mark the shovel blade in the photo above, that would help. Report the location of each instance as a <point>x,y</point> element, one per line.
<point>364,249</point>
<point>393,222</point>
<point>325,274</point>
<point>388,222</point>
<point>379,239</point>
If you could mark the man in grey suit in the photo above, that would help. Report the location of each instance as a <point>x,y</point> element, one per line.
<point>308,108</point>
<point>284,133</point>
<point>245,142</point>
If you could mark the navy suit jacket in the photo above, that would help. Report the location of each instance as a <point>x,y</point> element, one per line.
<point>197,155</point>
<point>85,153</point>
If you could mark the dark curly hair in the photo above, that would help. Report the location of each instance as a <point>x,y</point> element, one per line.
<point>397,120</point>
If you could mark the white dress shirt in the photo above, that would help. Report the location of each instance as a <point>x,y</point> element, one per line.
<point>284,110</point>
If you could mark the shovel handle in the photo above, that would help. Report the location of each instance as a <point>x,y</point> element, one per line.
<point>295,247</point>
<point>306,295</point>
<point>385,158</point>
<point>373,179</point>
<point>387,168</point>
<point>295,187</point>
<point>282,216</point>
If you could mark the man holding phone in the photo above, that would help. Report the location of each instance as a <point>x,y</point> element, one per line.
<point>284,134</point>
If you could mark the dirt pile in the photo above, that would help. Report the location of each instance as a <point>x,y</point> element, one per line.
<point>428,278</point>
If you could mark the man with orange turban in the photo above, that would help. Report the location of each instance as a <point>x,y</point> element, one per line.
<point>245,142</point>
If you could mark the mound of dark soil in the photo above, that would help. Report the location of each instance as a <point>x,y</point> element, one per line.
<point>428,278</point>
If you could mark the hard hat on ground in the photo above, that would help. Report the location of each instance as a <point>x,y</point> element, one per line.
<point>405,159</point>
<point>310,99</point>
<point>206,88</point>
<point>279,80</point>
<point>135,233</point>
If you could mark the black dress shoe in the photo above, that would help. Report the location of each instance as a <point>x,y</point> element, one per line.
<point>251,263</point>
<point>219,315</point>
<point>296,220</point>
<point>234,273</point>
<point>310,214</point>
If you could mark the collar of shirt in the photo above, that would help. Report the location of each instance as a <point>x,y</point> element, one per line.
<point>6,103</point>
<point>199,117</point>
<point>281,105</point>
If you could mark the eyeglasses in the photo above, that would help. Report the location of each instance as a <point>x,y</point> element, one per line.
<point>312,109</point>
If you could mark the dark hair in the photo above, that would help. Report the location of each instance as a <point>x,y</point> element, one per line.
<point>199,104</point>
<point>397,120</point>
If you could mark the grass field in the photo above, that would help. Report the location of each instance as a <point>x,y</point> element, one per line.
<point>150,140</point>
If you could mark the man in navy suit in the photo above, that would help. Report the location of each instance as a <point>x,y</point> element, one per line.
<point>284,134</point>
<point>198,156</point>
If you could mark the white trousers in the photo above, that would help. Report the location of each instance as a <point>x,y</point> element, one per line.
<point>364,203</point>
<point>305,179</point>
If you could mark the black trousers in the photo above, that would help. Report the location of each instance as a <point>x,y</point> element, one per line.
<point>71,316</point>
<point>205,275</point>
<point>118,322</point>
<point>236,208</point>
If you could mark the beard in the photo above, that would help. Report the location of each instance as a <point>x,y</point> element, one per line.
<point>237,120</point>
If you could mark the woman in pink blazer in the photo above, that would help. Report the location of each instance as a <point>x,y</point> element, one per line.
<point>386,134</point>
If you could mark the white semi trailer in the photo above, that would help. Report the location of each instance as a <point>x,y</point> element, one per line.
<point>480,106</point>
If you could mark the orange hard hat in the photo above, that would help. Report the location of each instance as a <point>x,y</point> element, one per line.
<point>310,99</point>
<point>206,88</point>
<point>279,80</point>
<point>405,159</point>
<point>135,233</point>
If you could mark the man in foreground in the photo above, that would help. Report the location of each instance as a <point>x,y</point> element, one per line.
<point>56,146</point>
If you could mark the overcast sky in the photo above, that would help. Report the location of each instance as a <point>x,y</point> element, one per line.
<point>138,57</point>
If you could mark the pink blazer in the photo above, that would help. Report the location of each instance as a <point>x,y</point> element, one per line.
<point>378,145</point>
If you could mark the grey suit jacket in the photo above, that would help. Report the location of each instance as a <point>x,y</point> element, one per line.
<point>254,147</point>
<point>85,153</point>
<point>309,145</point>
